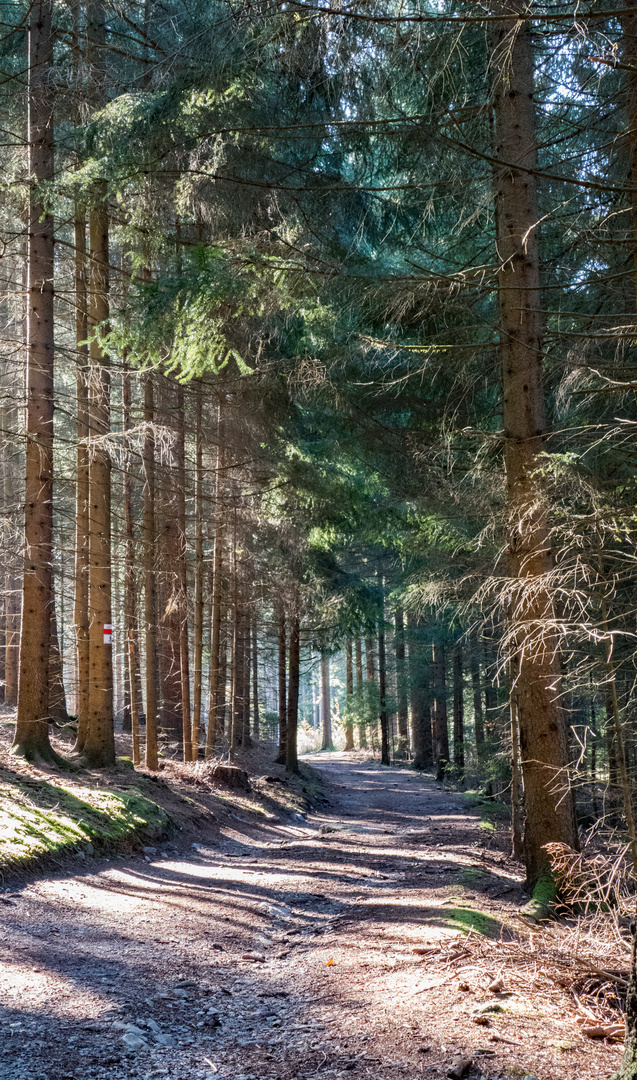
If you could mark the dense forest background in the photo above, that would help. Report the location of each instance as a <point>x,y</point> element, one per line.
<point>318,357</point>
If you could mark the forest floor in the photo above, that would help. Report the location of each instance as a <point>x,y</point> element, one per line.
<point>286,949</point>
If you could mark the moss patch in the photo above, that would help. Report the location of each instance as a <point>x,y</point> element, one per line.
<point>466,919</point>
<point>39,819</point>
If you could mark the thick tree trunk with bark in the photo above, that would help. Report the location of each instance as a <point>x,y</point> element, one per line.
<point>476,686</point>
<point>458,711</point>
<point>420,684</point>
<point>282,688</point>
<point>291,758</point>
<point>358,652</point>
<point>217,682</point>
<point>184,644</point>
<point>150,582</point>
<point>130,586</point>
<point>403,712</point>
<point>32,731</point>
<point>543,742</point>
<point>382,684</point>
<point>440,721</point>
<point>349,691</point>
<point>326,708</point>
<point>199,602</point>
<point>81,612</point>
<point>255,678</point>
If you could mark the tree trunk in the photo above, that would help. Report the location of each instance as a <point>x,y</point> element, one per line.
<point>476,685</point>
<point>362,730</point>
<point>184,644</point>
<point>382,683</point>
<point>420,684</point>
<point>544,751</point>
<point>32,731</point>
<point>440,722</point>
<point>130,585</point>
<point>81,612</point>
<point>282,689</point>
<point>215,721</point>
<point>326,714</point>
<point>291,758</point>
<point>349,690</point>
<point>517,842</point>
<point>199,602</point>
<point>458,711</point>
<point>255,679</point>
<point>57,694</point>
<point>168,569</point>
<point>403,715</point>
<point>150,583</point>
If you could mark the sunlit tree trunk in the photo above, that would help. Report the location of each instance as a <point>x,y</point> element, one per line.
<point>32,731</point>
<point>382,683</point>
<point>198,599</point>
<point>184,644</point>
<point>217,691</point>
<point>326,708</point>
<point>291,758</point>
<point>349,690</point>
<point>476,685</point>
<point>255,677</point>
<point>57,693</point>
<point>99,747</point>
<point>130,585</point>
<point>420,690</point>
<point>458,711</point>
<point>81,612</point>
<point>543,742</point>
<point>358,652</point>
<point>403,717</point>
<point>440,721</point>
<point>150,583</point>
<point>282,687</point>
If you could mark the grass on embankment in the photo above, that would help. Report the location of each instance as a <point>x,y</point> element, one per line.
<point>41,820</point>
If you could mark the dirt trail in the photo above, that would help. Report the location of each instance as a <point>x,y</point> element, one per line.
<point>290,958</point>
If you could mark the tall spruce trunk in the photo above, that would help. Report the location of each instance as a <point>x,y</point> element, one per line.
<point>32,730</point>
<point>403,713</point>
<point>217,677</point>
<point>81,612</point>
<point>476,686</point>
<point>420,688</point>
<point>199,601</point>
<point>291,756</point>
<point>358,653</point>
<point>440,721</point>
<point>543,743</point>
<point>255,679</point>
<point>190,752</point>
<point>382,684</point>
<point>99,746</point>
<point>283,714</point>
<point>150,580</point>
<point>458,711</point>
<point>349,691</point>
<point>168,566</point>
<point>130,584</point>
<point>326,709</point>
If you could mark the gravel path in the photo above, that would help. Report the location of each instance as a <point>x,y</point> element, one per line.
<point>286,959</point>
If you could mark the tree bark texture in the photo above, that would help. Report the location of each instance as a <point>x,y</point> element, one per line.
<point>81,611</point>
<point>349,690</point>
<point>150,581</point>
<point>32,731</point>
<point>440,721</point>
<point>403,710</point>
<point>458,711</point>
<point>291,757</point>
<point>282,687</point>
<point>543,742</point>
<point>326,708</point>
<point>421,698</point>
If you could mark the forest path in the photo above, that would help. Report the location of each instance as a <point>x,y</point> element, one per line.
<point>290,960</point>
